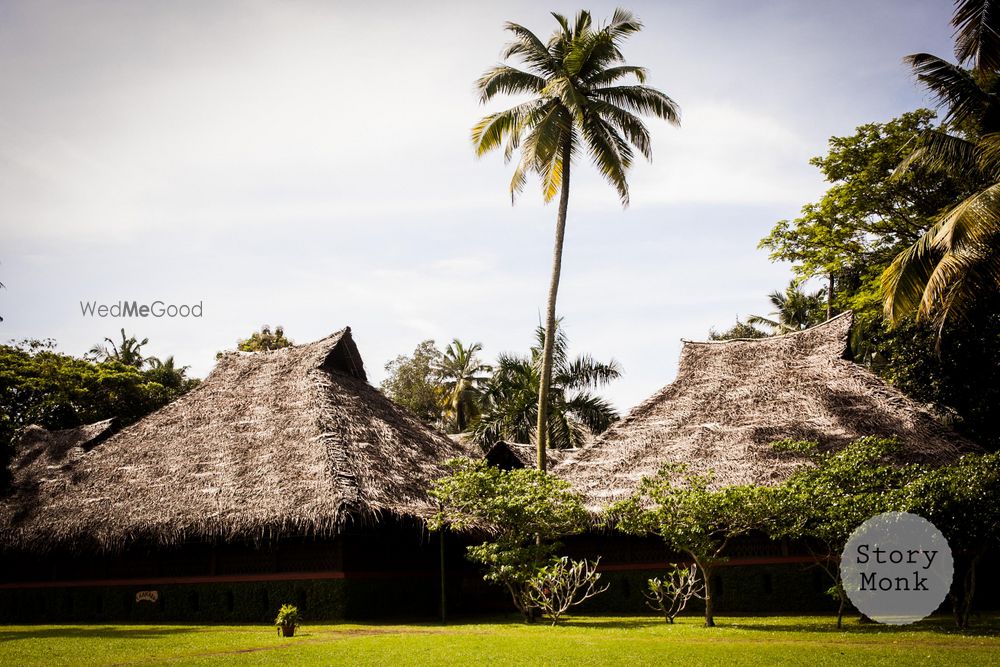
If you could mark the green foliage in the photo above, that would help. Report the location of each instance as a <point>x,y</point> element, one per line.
<point>288,616</point>
<point>866,216</point>
<point>828,500</point>
<point>573,103</point>
<point>39,385</point>
<point>963,501</point>
<point>690,516</point>
<point>412,382</point>
<point>510,398</point>
<point>128,352</point>
<point>460,378</point>
<point>804,448</point>
<point>943,274</point>
<point>264,340</point>
<point>794,309</point>
<point>956,371</point>
<point>824,503</point>
<point>740,330</point>
<point>524,511</point>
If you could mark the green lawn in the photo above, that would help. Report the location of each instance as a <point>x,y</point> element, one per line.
<point>628,641</point>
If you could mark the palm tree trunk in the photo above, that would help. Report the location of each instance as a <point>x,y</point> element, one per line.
<point>550,313</point>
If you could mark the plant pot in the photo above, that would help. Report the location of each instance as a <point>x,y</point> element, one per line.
<point>287,630</point>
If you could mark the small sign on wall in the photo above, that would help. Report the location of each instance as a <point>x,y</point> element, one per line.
<point>147,596</point>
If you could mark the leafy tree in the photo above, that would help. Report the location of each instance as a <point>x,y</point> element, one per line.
<point>524,512</point>
<point>575,105</point>
<point>738,330</point>
<point>823,503</point>
<point>169,375</point>
<point>943,273</point>
<point>955,372</point>
<point>963,501</point>
<point>680,507</point>
<point>509,402</point>
<point>866,217</point>
<point>264,340</point>
<point>794,310</point>
<point>128,352</point>
<point>39,385</point>
<point>460,380</point>
<point>412,382</point>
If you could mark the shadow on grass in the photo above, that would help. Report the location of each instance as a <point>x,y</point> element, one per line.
<point>87,632</point>
<point>610,623</point>
<point>988,627</point>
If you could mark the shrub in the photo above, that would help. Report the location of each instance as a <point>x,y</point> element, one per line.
<point>670,595</point>
<point>563,584</point>
<point>288,619</point>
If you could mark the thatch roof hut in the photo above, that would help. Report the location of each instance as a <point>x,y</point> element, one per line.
<point>516,455</point>
<point>732,399</point>
<point>288,442</point>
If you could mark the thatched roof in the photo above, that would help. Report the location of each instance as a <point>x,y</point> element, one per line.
<point>293,441</point>
<point>731,399</point>
<point>512,455</point>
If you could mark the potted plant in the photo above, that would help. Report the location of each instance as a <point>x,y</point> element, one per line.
<point>287,620</point>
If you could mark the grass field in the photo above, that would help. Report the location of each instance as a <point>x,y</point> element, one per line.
<point>630,641</point>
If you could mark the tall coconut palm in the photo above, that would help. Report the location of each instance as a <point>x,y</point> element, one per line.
<point>794,309</point>
<point>958,259</point>
<point>461,375</point>
<point>510,399</point>
<point>578,102</point>
<point>128,352</point>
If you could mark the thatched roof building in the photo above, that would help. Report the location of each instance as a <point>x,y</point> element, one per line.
<point>516,455</point>
<point>732,399</point>
<point>288,442</point>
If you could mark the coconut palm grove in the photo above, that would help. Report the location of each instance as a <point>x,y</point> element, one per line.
<point>479,440</point>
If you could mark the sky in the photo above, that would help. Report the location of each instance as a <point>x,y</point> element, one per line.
<point>308,164</point>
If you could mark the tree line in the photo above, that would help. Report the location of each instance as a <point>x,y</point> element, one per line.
<point>116,378</point>
<point>456,391</point>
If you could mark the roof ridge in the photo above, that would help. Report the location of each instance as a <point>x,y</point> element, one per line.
<point>767,339</point>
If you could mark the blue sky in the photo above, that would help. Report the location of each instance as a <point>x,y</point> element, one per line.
<point>308,164</point>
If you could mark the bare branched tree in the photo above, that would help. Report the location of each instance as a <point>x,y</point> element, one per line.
<point>671,594</point>
<point>564,584</point>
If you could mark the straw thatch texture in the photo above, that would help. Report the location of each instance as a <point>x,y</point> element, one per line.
<point>293,441</point>
<point>731,399</point>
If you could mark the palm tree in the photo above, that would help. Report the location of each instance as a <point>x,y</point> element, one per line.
<point>794,310</point>
<point>958,259</point>
<point>167,372</point>
<point>577,103</point>
<point>510,399</point>
<point>128,352</point>
<point>460,376</point>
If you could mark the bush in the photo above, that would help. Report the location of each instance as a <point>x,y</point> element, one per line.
<point>288,619</point>
<point>670,595</point>
<point>563,584</point>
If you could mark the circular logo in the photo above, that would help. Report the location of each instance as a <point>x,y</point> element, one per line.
<point>896,568</point>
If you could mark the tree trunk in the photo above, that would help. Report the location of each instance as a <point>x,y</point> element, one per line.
<point>963,591</point>
<point>706,573</point>
<point>550,313</point>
